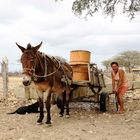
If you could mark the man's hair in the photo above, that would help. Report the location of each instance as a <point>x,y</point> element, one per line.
<point>112,63</point>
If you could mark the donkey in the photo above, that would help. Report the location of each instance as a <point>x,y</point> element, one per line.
<point>49,74</point>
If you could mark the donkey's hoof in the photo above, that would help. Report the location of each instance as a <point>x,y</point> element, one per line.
<point>60,115</point>
<point>39,123</point>
<point>67,116</point>
<point>48,124</point>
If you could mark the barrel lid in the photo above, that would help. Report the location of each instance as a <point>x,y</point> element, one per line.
<point>80,51</point>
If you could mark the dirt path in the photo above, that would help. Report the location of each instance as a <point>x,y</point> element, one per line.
<point>82,125</point>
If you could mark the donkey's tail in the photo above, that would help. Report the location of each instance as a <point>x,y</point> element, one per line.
<point>12,112</point>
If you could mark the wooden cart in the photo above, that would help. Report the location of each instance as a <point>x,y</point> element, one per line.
<point>86,74</point>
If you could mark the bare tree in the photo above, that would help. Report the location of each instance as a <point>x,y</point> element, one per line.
<point>127,59</point>
<point>107,7</point>
<point>106,63</point>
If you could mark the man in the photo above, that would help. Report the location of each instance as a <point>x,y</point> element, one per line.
<point>119,84</point>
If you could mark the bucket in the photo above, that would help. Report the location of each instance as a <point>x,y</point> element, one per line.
<point>80,72</point>
<point>79,57</point>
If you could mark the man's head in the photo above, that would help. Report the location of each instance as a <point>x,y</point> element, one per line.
<point>115,66</point>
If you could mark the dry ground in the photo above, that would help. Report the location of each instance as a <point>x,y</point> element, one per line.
<point>85,123</point>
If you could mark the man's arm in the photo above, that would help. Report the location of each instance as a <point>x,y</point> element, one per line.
<point>113,83</point>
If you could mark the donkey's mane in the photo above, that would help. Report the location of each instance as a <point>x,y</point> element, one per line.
<point>61,59</point>
<point>41,59</point>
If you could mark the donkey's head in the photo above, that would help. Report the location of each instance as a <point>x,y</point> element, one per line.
<point>28,60</point>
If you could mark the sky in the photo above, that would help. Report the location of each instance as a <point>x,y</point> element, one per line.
<point>54,23</point>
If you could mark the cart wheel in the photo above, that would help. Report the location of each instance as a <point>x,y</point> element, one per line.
<point>104,102</point>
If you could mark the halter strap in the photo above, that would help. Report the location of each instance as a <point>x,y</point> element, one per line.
<point>47,75</point>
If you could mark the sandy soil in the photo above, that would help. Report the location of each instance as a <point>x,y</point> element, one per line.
<point>85,123</point>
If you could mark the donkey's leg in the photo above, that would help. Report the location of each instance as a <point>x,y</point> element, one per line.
<point>60,104</point>
<point>41,105</point>
<point>47,96</point>
<point>41,110</point>
<point>67,102</point>
<point>48,106</point>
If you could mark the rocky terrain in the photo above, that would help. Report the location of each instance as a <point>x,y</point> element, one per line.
<point>86,121</point>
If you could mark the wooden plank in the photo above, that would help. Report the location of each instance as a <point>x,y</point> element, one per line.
<point>81,83</point>
<point>5,76</point>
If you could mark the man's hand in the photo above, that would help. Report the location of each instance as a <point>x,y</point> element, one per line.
<point>114,91</point>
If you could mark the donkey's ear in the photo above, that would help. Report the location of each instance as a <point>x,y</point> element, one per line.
<point>21,48</point>
<point>36,48</point>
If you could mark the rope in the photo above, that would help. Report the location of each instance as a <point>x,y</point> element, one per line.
<point>50,74</point>
<point>45,73</point>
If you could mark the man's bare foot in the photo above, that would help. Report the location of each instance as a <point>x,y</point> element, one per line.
<point>121,111</point>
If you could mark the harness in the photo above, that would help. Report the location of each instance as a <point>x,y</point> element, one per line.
<point>35,76</point>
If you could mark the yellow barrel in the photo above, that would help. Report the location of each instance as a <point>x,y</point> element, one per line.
<point>79,57</point>
<point>80,72</point>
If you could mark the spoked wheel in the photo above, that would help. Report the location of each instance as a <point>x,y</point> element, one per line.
<point>104,102</point>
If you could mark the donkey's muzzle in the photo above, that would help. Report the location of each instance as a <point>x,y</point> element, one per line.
<point>26,83</point>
